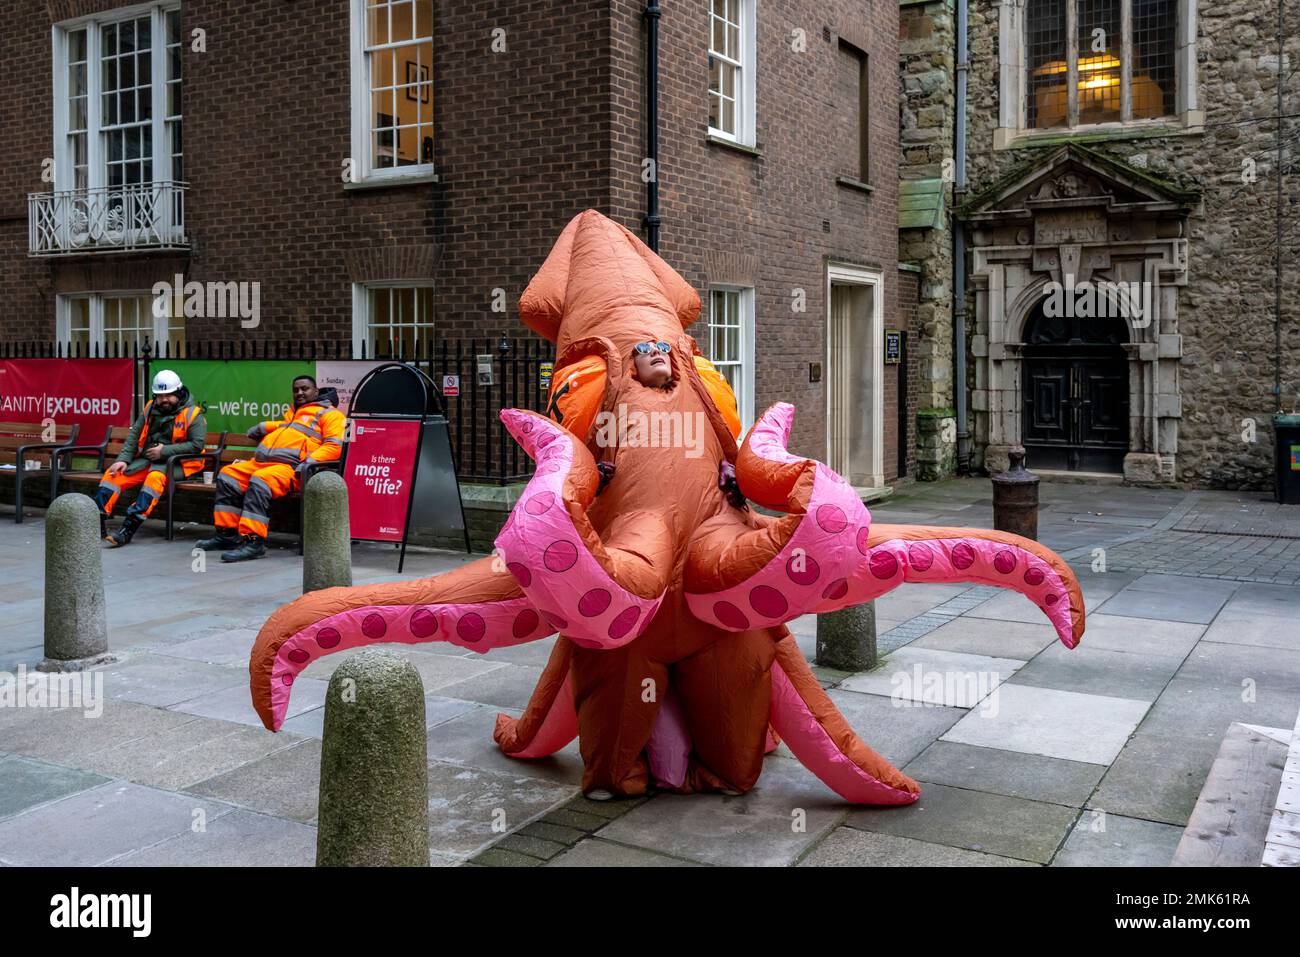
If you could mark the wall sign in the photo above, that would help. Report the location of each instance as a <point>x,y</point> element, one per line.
<point>893,347</point>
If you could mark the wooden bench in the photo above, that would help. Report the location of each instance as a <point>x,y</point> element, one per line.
<point>22,443</point>
<point>234,447</point>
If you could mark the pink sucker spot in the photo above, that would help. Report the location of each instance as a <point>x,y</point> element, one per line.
<point>560,556</point>
<point>864,533</point>
<point>521,573</point>
<point>540,502</point>
<point>1005,561</point>
<point>328,637</point>
<point>730,615</point>
<point>544,440</point>
<point>963,556</point>
<point>286,680</point>
<point>423,623</point>
<point>525,623</point>
<point>836,589</point>
<point>298,656</point>
<point>527,427</point>
<point>1034,576</point>
<point>471,627</point>
<point>921,557</point>
<point>594,602</point>
<point>883,564</point>
<point>621,625</point>
<point>556,622</point>
<point>831,518</point>
<point>802,569</point>
<point>374,626</point>
<point>1052,599</point>
<point>767,601</point>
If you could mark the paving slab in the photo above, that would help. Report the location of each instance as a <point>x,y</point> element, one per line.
<point>1157,777</point>
<point>466,740</point>
<point>760,828</point>
<point>1112,840</point>
<point>986,636</point>
<point>975,820</point>
<point>466,804</point>
<point>69,737</point>
<point>235,703</point>
<point>849,847</point>
<point>1172,598</point>
<point>509,686</point>
<point>238,839</point>
<point>1143,636</point>
<point>174,758</point>
<point>95,826</point>
<point>436,670</point>
<point>437,709</point>
<point>1097,588</point>
<point>593,852</point>
<point>1088,728</point>
<point>227,647</point>
<point>1013,773</point>
<point>1262,615</point>
<point>1120,674</point>
<point>285,783</point>
<point>897,730</point>
<point>929,676</point>
<point>915,598</point>
<point>28,783</point>
<point>161,681</point>
<point>535,653</point>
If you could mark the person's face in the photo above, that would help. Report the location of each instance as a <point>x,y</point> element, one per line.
<point>168,402</point>
<point>652,368</point>
<point>304,392</point>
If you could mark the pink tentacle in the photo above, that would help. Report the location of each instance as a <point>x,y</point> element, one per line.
<point>559,727</point>
<point>550,554</point>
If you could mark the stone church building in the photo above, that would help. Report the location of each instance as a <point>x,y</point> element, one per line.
<point>1131,223</point>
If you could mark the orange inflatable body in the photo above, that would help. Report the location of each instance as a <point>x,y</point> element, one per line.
<point>674,664</point>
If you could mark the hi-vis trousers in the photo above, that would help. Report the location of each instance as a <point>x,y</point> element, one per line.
<point>244,493</point>
<point>153,479</point>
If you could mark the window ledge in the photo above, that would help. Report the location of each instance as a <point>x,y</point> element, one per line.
<point>732,145</point>
<point>384,182</point>
<point>1190,124</point>
<point>850,183</point>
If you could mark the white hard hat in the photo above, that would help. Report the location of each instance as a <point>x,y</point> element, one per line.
<point>166,382</point>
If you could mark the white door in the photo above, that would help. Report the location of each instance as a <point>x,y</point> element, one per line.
<point>855,376</point>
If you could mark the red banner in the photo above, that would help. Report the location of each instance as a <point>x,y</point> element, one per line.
<point>381,461</point>
<point>92,393</point>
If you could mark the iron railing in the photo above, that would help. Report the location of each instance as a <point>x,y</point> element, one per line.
<point>107,219</point>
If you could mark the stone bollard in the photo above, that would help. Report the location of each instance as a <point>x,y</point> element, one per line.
<point>846,639</point>
<point>76,628</point>
<point>326,537</point>
<point>374,779</point>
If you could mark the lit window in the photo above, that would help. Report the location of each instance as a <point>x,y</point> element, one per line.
<point>731,69</point>
<point>393,320</point>
<point>1099,72</point>
<point>392,88</point>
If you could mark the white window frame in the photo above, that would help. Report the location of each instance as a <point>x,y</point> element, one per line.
<point>745,398</point>
<point>363,171</point>
<point>746,113</point>
<point>95,161</point>
<point>361,309</point>
<point>63,316</point>
<point>1012,130</point>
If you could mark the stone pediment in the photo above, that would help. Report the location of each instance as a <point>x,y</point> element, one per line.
<point>1075,177</point>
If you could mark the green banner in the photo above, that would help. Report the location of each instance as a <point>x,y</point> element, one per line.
<point>239,393</point>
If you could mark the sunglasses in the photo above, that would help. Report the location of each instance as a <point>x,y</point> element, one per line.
<point>645,348</point>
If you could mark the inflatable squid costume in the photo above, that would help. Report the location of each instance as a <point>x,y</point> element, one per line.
<point>674,667</point>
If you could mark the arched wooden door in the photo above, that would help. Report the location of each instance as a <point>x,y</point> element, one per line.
<point>1075,392</point>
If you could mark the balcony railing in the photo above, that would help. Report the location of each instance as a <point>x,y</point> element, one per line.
<point>107,219</point>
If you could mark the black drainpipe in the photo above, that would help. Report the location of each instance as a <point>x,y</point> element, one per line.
<point>651,16</point>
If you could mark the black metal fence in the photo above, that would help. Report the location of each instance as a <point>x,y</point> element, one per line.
<point>484,451</point>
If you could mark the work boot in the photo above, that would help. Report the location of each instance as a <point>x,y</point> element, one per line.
<point>253,547</point>
<point>103,526</point>
<point>225,540</point>
<point>124,534</point>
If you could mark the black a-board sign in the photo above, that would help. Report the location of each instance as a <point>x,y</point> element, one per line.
<point>401,395</point>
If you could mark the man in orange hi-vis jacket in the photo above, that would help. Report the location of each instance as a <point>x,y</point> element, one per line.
<point>310,432</point>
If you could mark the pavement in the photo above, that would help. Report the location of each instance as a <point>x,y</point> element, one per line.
<point>1028,754</point>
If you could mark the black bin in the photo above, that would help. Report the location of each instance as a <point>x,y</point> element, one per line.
<point>1286,459</point>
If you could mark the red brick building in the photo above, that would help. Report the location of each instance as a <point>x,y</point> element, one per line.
<point>397,169</point>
